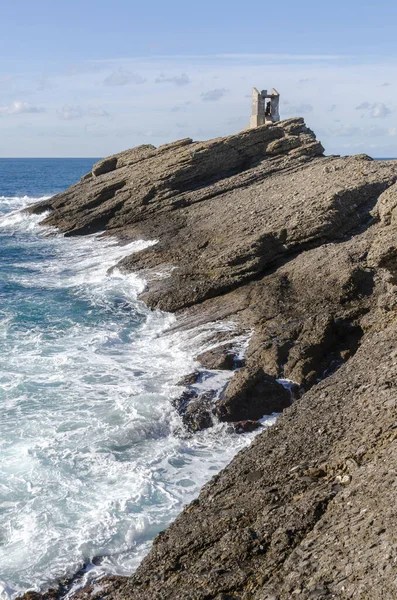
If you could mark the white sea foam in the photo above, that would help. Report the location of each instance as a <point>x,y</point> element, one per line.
<point>12,217</point>
<point>93,458</point>
<point>17,203</point>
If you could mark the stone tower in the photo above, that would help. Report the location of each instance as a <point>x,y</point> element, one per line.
<point>265,107</point>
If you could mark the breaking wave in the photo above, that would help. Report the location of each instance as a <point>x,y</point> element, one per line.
<point>93,459</point>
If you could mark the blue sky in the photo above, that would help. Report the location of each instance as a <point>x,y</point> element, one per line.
<point>93,78</point>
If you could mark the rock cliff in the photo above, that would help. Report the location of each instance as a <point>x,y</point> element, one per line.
<point>301,249</point>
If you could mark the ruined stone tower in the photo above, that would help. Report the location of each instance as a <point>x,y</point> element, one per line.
<point>265,107</point>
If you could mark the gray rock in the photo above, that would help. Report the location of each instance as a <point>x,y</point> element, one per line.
<point>221,357</point>
<point>190,379</point>
<point>196,409</point>
<point>199,413</point>
<point>250,395</point>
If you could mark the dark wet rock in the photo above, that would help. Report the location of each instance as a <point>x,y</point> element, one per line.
<point>250,395</point>
<point>196,409</point>
<point>183,400</point>
<point>190,379</point>
<point>246,426</point>
<point>296,391</point>
<point>221,357</point>
<point>199,413</point>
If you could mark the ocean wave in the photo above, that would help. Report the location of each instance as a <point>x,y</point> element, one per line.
<point>94,460</point>
<point>19,202</point>
<point>12,215</point>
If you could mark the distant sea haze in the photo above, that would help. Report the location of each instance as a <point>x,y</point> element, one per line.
<point>93,459</point>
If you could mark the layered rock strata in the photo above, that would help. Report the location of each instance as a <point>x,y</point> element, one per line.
<point>301,251</point>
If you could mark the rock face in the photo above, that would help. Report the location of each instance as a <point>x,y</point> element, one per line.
<point>306,511</point>
<point>220,357</point>
<point>251,394</point>
<point>196,410</point>
<point>301,251</point>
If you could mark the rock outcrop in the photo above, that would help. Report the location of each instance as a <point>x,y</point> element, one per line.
<point>250,395</point>
<point>301,251</point>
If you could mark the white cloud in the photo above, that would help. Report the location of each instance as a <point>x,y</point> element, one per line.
<point>96,112</point>
<point>374,131</point>
<point>18,108</point>
<point>77,103</point>
<point>180,107</point>
<point>378,110</point>
<point>345,131</point>
<point>352,131</point>
<point>121,77</point>
<point>179,80</point>
<point>70,112</point>
<point>214,95</point>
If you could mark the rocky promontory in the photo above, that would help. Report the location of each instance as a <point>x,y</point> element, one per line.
<point>300,250</point>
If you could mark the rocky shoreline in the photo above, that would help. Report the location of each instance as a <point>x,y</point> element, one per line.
<point>299,249</point>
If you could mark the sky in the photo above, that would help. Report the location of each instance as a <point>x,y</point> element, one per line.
<point>89,79</point>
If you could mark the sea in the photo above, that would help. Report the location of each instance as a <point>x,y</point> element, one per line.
<point>94,460</point>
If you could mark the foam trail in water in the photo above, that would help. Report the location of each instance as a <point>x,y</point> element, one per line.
<point>93,459</point>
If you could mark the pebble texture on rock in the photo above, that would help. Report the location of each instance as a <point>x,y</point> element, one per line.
<point>300,249</point>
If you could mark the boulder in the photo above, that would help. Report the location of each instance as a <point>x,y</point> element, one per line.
<point>196,409</point>
<point>190,378</point>
<point>221,357</point>
<point>199,413</point>
<point>250,395</point>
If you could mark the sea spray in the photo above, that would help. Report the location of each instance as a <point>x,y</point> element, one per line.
<point>94,460</point>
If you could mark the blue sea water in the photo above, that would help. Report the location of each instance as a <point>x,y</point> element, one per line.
<point>36,177</point>
<point>93,459</point>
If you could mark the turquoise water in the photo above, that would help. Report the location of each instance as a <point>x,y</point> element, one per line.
<point>93,459</point>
